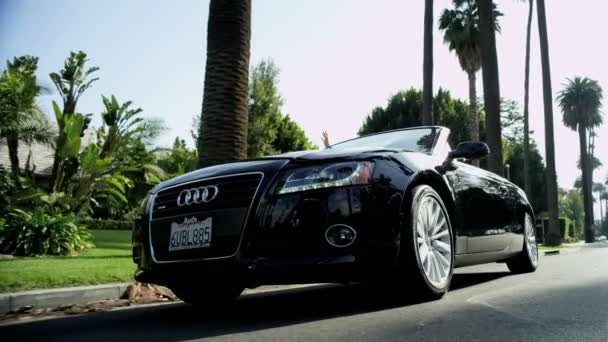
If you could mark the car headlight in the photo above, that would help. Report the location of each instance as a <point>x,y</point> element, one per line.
<point>327,176</point>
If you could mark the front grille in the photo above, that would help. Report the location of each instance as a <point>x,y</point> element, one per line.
<point>228,211</point>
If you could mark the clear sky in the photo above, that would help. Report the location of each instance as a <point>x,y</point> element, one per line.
<point>338,58</point>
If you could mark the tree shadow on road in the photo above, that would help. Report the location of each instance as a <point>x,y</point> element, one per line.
<point>179,322</point>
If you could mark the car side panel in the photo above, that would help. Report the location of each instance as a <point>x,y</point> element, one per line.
<point>487,207</point>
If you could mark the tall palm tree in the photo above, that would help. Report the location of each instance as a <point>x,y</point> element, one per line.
<point>491,85</point>
<point>553,235</point>
<point>427,66</point>
<point>224,119</point>
<point>21,120</point>
<point>71,82</point>
<point>461,34</point>
<point>601,190</point>
<point>580,102</point>
<point>527,185</point>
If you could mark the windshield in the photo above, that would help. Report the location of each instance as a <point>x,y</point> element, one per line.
<point>417,140</point>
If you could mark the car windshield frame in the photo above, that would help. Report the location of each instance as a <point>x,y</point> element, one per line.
<point>438,131</point>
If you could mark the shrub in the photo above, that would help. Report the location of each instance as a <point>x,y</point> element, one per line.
<point>7,187</point>
<point>40,233</point>
<point>108,224</point>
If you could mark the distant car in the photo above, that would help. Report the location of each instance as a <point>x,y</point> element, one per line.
<point>400,203</point>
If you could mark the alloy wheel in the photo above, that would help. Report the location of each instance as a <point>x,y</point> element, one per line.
<point>433,241</point>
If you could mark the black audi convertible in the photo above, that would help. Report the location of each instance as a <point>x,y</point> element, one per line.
<point>395,208</point>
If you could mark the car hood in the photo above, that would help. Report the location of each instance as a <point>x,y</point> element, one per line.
<point>330,154</point>
<point>272,164</point>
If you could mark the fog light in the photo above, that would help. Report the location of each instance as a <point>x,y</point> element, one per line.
<point>340,235</point>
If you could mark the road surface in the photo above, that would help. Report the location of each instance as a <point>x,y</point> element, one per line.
<point>565,300</point>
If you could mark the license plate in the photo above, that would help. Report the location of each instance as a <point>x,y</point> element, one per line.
<point>190,234</point>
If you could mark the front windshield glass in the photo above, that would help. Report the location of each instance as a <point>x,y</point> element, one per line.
<point>417,140</point>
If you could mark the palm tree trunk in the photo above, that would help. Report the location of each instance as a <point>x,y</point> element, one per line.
<point>473,112</point>
<point>587,199</point>
<point>224,118</point>
<point>553,235</point>
<point>13,154</point>
<point>491,86</point>
<point>427,66</point>
<point>527,185</point>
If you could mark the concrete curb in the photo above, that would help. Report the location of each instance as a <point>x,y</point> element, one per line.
<point>48,298</point>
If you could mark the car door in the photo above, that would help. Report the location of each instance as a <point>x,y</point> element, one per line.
<point>487,208</point>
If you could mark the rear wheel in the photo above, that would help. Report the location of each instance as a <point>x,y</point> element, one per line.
<point>527,260</point>
<point>208,295</point>
<point>427,251</point>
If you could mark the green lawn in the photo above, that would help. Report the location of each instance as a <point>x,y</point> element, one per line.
<point>109,262</point>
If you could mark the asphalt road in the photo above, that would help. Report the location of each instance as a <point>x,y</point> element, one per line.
<point>565,300</point>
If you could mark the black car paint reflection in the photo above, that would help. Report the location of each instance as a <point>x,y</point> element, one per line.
<point>282,239</point>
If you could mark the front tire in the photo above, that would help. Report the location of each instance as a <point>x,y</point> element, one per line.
<point>427,251</point>
<point>527,260</point>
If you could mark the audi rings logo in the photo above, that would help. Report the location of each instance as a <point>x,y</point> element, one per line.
<point>203,194</point>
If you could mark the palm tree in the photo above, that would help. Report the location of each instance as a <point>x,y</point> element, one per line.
<point>601,191</point>
<point>580,102</point>
<point>427,65</point>
<point>224,119</point>
<point>71,82</point>
<point>461,34</point>
<point>553,235</point>
<point>527,185</point>
<point>491,85</point>
<point>21,120</point>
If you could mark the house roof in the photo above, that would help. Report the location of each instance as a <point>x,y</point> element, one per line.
<point>40,156</point>
<point>41,161</point>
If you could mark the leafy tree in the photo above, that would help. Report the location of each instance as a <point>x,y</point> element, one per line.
<point>264,109</point>
<point>553,235</point>
<point>224,120</point>
<point>178,160</point>
<point>71,82</point>
<point>527,182</point>
<point>68,144</point>
<point>461,34</point>
<point>580,102</point>
<point>290,137</point>
<point>571,206</point>
<point>515,159</point>
<point>403,110</point>
<point>21,120</point>
<point>427,66</point>
<point>491,85</point>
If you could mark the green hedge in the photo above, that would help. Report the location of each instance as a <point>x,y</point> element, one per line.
<point>108,224</point>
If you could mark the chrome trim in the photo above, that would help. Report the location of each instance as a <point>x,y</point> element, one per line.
<point>153,197</point>
<point>341,225</point>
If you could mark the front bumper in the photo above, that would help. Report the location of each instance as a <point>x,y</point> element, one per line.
<point>283,239</point>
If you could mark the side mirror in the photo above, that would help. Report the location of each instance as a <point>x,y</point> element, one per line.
<point>470,150</point>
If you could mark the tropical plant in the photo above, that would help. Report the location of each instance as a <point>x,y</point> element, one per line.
<point>461,34</point>
<point>119,125</point>
<point>224,120</point>
<point>71,82</point>
<point>491,86</point>
<point>515,159</point>
<point>7,188</point>
<point>427,65</point>
<point>553,235</point>
<point>527,182</point>
<point>39,233</point>
<point>68,145</point>
<point>21,120</point>
<point>580,102</point>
